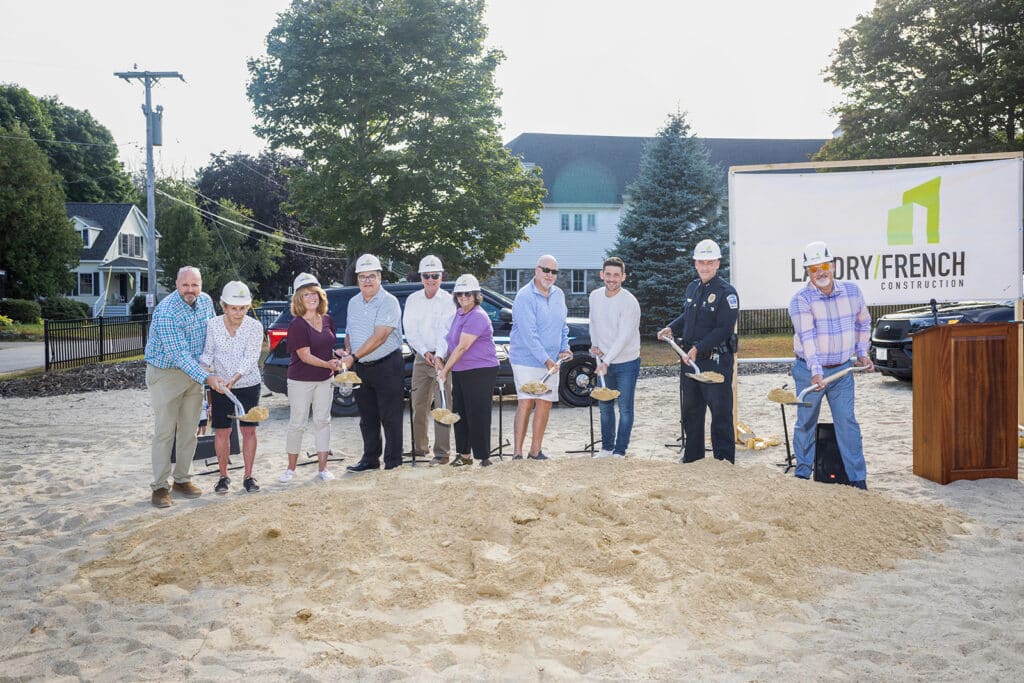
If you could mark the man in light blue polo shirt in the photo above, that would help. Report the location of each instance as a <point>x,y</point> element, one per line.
<point>539,338</point>
<point>373,348</point>
<point>175,379</point>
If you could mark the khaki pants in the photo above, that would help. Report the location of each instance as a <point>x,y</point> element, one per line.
<point>177,400</point>
<point>426,394</point>
<point>301,397</point>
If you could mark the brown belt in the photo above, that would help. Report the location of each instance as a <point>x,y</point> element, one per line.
<point>827,367</point>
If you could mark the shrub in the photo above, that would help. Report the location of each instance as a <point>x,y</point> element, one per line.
<point>5,321</point>
<point>138,306</point>
<point>63,308</point>
<point>21,310</point>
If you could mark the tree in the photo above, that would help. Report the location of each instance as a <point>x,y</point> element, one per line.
<point>927,77</point>
<point>38,244</point>
<point>259,186</point>
<point>79,148</point>
<point>675,202</point>
<point>393,104</point>
<point>184,240</point>
<point>236,253</point>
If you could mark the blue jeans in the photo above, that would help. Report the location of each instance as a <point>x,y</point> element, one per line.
<point>621,376</point>
<point>840,400</point>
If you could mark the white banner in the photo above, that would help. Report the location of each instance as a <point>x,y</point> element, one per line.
<point>904,236</point>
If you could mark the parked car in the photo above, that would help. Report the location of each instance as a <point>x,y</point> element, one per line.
<point>574,385</point>
<point>892,348</point>
<point>268,311</point>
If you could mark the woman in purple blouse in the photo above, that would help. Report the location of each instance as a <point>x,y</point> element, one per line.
<point>473,364</point>
<point>311,339</point>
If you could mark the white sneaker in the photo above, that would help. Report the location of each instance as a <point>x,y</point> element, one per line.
<point>618,455</point>
<point>324,475</point>
<point>604,454</point>
<point>287,476</point>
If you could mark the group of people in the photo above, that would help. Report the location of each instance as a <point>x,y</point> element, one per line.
<point>456,365</point>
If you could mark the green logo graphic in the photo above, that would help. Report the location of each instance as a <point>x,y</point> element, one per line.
<point>901,219</point>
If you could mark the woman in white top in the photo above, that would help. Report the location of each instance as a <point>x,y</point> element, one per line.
<point>233,345</point>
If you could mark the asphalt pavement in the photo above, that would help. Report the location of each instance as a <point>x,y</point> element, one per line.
<point>15,356</point>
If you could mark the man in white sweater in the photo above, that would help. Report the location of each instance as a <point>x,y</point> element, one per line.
<point>428,315</point>
<point>615,334</point>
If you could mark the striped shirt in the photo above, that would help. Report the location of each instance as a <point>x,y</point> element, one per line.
<point>539,330</point>
<point>383,310</point>
<point>177,334</point>
<point>830,329</point>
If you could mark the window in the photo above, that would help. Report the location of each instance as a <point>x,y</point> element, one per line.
<point>88,284</point>
<point>130,245</point>
<point>511,280</point>
<point>85,238</point>
<point>579,282</point>
<point>591,222</point>
<point>577,222</point>
<point>565,222</point>
<point>137,245</point>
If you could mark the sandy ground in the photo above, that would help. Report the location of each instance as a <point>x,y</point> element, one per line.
<point>574,568</point>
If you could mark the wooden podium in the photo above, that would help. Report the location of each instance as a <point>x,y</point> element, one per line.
<point>965,402</point>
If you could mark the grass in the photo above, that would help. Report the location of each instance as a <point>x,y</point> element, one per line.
<point>654,353</point>
<point>22,332</point>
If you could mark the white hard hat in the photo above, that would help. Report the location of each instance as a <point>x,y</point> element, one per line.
<point>815,253</point>
<point>706,250</point>
<point>431,264</point>
<point>235,293</point>
<point>304,280</point>
<point>466,283</point>
<point>367,262</point>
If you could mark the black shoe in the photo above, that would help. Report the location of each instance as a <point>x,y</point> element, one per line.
<point>391,467</point>
<point>222,485</point>
<point>250,485</point>
<point>363,466</point>
<point>485,462</point>
<point>540,456</point>
<point>517,456</point>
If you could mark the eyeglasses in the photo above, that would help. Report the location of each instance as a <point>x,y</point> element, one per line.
<point>548,271</point>
<point>469,294</point>
<point>311,293</point>
<point>821,266</point>
<point>367,278</point>
<point>430,276</point>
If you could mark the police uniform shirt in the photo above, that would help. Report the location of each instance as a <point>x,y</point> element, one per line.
<point>709,316</point>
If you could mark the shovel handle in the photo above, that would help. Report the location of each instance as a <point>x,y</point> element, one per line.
<point>239,408</point>
<point>832,378</point>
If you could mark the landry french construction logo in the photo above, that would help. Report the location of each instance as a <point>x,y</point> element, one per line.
<point>925,196</point>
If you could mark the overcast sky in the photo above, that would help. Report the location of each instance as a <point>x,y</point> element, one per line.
<point>739,68</point>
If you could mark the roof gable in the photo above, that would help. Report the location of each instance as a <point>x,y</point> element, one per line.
<point>596,169</point>
<point>109,217</point>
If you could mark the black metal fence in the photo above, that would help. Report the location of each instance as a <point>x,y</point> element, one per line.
<point>74,343</point>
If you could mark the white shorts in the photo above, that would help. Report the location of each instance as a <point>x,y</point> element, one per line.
<point>525,373</point>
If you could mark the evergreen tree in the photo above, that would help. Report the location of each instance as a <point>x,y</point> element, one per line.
<point>38,245</point>
<point>676,201</point>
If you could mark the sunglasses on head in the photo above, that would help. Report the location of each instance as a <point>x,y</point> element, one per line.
<point>548,271</point>
<point>820,266</point>
<point>430,276</point>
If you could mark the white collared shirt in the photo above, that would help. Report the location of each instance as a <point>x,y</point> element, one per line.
<point>426,322</point>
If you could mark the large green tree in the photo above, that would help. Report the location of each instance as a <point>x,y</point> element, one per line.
<point>38,244</point>
<point>258,185</point>
<point>394,107</point>
<point>184,240</point>
<point>80,149</point>
<point>925,77</point>
<point>238,253</point>
<point>676,201</point>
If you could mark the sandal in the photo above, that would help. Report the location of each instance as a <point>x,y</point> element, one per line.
<point>459,461</point>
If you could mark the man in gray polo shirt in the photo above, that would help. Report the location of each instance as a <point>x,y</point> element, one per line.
<point>373,346</point>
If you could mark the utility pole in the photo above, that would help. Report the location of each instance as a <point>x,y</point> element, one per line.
<point>154,136</point>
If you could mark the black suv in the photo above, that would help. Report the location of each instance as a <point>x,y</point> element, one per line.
<point>574,384</point>
<point>892,344</point>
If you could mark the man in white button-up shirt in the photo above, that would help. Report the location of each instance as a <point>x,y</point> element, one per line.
<point>428,315</point>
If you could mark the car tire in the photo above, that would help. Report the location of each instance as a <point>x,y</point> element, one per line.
<point>344,405</point>
<point>576,379</point>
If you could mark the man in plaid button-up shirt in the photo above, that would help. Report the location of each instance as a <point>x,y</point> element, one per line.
<point>832,324</point>
<point>175,380</point>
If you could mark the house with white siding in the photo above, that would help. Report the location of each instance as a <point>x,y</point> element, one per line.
<point>113,267</point>
<point>586,177</point>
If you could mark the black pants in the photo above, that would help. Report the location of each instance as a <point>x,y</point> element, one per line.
<point>697,398</point>
<point>472,391</point>
<point>381,405</point>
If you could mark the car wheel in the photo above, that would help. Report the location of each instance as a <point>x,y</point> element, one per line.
<point>575,382</point>
<point>344,403</point>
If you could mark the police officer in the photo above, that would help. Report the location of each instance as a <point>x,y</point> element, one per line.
<point>706,328</point>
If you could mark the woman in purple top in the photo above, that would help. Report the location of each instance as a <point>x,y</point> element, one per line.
<point>473,364</point>
<point>311,338</point>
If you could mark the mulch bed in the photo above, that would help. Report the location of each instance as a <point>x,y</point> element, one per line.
<point>107,377</point>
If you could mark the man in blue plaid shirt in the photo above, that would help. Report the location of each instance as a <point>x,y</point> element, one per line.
<point>175,380</point>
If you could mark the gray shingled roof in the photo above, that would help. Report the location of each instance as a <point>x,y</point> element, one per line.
<point>597,168</point>
<point>110,217</point>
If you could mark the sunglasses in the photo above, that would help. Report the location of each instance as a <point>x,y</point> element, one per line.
<point>821,266</point>
<point>430,276</point>
<point>468,294</point>
<point>548,271</point>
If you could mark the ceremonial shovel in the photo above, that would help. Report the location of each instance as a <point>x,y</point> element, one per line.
<point>539,388</point>
<point>442,414</point>
<point>790,399</point>
<point>709,377</point>
<point>257,414</point>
